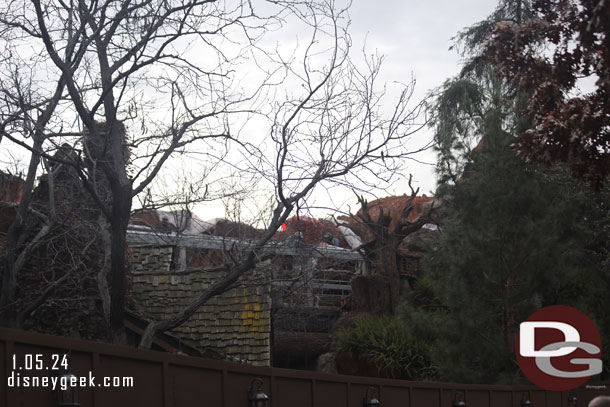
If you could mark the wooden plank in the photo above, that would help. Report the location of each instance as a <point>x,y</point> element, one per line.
<point>167,385</point>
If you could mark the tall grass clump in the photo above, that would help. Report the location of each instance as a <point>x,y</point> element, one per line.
<point>384,341</point>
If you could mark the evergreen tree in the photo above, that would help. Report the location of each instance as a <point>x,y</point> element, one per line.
<point>512,243</point>
<point>461,104</point>
<point>514,239</point>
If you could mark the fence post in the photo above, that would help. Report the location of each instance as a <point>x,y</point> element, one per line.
<point>167,386</point>
<point>225,387</point>
<point>347,391</point>
<point>440,397</point>
<point>272,389</point>
<point>95,366</point>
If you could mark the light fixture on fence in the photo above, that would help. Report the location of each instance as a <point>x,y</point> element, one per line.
<point>67,391</point>
<point>525,400</point>
<point>458,399</point>
<point>256,397</point>
<point>369,398</point>
<point>572,400</point>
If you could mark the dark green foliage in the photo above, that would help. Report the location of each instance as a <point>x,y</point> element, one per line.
<point>590,291</point>
<point>512,243</point>
<point>457,115</point>
<point>516,238</point>
<point>471,41</point>
<point>386,342</point>
<point>423,294</point>
<point>462,105</point>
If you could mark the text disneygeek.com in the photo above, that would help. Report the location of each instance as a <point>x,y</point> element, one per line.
<point>24,365</point>
<point>16,379</point>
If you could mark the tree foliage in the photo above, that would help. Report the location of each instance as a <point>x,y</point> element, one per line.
<point>459,106</point>
<point>516,238</point>
<point>387,343</point>
<point>513,242</point>
<point>552,57</point>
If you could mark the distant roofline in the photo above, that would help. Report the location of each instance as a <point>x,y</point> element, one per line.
<point>138,237</point>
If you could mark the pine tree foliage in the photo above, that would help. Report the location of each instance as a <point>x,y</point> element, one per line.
<point>471,41</point>
<point>460,116</point>
<point>515,238</point>
<point>460,105</point>
<point>511,244</point>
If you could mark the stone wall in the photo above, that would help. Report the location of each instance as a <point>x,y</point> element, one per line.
<point>236,323</point>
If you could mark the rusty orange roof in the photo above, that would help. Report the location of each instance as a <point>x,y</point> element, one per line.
<point>395,205</point>
<point>11,188</point>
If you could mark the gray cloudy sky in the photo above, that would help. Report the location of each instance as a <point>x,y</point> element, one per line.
<point>415,36</point>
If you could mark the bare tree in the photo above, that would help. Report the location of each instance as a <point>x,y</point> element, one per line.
<point>106,62</point>
<point>143,81</point>
<point>383,233</point>
<point>333,130</point>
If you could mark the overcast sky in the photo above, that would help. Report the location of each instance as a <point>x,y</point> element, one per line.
<point>415,36</point>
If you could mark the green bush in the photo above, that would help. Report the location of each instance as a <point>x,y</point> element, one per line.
<point>385,342</point>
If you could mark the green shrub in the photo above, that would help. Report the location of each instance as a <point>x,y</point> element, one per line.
<point>385,342</point>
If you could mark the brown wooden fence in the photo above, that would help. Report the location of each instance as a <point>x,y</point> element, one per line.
<point>162,379</point>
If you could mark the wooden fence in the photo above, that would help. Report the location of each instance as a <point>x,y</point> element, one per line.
<point>163,379</point>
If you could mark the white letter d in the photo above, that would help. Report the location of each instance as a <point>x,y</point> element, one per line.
<point>526,338</point>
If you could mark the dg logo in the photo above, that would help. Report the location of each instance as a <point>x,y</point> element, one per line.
<point>559,348</point>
